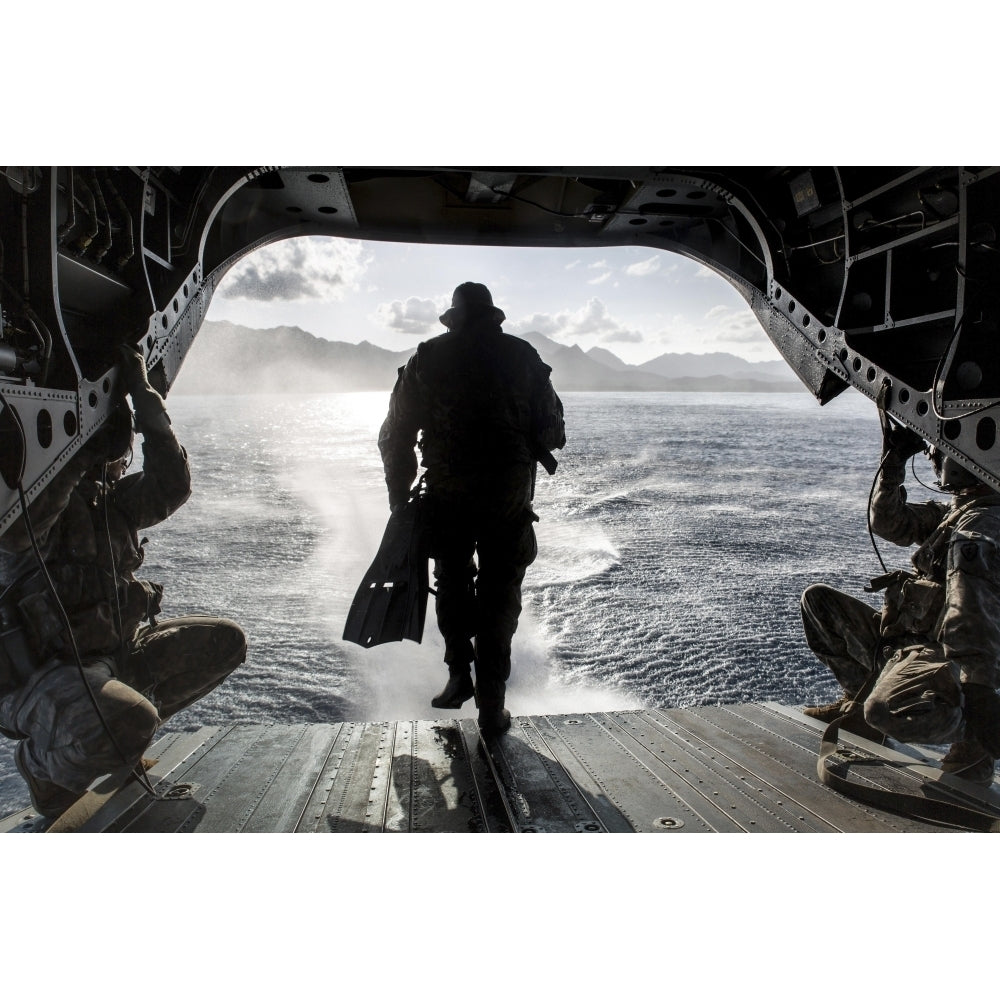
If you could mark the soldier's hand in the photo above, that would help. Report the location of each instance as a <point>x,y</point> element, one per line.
<point>895,437</point>
<point>150,411</point>
<point>133,369</point>
<point>902,441</point>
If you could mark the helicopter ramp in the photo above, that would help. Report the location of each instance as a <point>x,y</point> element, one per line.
<point>748,768</point>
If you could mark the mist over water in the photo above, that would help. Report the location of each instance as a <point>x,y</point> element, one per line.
<point>674,543</point>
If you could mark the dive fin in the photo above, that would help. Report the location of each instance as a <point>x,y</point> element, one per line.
<point>391,603</point>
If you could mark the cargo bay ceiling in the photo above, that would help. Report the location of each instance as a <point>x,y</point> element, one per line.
<point>859,275</point>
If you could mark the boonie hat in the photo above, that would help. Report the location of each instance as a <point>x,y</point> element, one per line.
<point>471,298</point>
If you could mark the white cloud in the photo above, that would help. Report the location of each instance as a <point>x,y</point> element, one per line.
<point>600,279</point>
<point>721,329</point>
<point>643,267</point>
<point>417,316</point>
<point>309,267</point>
<point>591,321</point>
<point>705,272</point>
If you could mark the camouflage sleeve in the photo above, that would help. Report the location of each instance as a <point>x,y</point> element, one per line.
<point>970,629</point>
<point>893,518</point>
<point>548,423</point>
<point>163,485</point>
<point>398,435</point>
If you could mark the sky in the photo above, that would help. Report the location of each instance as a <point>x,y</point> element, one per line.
<point>637,302</point>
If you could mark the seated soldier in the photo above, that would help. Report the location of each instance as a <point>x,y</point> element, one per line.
<point>99,673</point>
<point>936,642</point>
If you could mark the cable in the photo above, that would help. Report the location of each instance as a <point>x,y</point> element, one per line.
<point>729,232</point>
<point>939,372</point>
<point>544,208</point>
<point>913,470</point>
<point>871,496</point>
<point>137,769</point>
<point>122,654</point>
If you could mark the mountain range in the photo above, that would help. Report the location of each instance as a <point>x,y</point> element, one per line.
<point>229,359</point>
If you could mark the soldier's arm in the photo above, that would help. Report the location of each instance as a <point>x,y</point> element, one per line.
<point>164,484</point>
<point>398,435</point>
<point>547,418</point>
<point>893,518</point>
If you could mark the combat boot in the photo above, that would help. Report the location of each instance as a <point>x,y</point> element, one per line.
<point>494,720</point>
<point>970,760</point>
<point>457,691</point>
<point>827,713</point>
<point>854,724</point>
<point>47,799</point>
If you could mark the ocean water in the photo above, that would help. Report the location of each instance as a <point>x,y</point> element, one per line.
<point>674,543</point>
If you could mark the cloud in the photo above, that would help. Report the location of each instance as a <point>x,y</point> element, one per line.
<point>589,321</point>
<point>743,329</point>
<point>623,336</point>
<point>416,316</point>
<point>643,267</point>
<point>722,328</point>
<point>309,267</point>
<point>600,279</point>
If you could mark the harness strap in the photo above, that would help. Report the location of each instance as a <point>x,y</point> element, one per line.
<point>832,772</point>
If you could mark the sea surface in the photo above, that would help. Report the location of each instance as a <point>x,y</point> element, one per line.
<point>674,542</point>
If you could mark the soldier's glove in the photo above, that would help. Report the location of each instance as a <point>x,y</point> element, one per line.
<point>982,716</point>
<point>150,410</point>
<point>902,441</point>
<point>897,439</point>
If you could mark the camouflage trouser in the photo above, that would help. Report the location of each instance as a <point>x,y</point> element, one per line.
<point>65,745</point>
<point>917,697</point>
<point>484,602</point>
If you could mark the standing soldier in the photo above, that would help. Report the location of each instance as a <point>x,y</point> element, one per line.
<point>487,412</point>
<point>96,673</point>
<point>936,642</point>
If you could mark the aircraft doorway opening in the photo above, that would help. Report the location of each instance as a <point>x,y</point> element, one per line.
<point>668,570</point>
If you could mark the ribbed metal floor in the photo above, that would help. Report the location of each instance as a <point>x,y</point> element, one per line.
<point>734,768</point>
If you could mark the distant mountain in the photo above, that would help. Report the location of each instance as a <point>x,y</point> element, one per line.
<point>229,359</point>
<point>716,363</point>
<point>608,359</point>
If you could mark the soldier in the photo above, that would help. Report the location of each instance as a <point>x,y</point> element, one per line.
<point>487,412</point>
<point>98,674</point>
<point>936,641</point>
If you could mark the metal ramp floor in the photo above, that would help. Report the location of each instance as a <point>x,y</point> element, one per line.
<point>731,768</point>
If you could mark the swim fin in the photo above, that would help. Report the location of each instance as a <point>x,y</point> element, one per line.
<point>391,603</point>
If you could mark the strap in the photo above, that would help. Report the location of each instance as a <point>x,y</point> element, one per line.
<point>832,772</point>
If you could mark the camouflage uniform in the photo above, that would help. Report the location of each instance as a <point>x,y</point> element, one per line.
<point>937,636</point>
<point>138,674</point>
<point>484,403</point>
